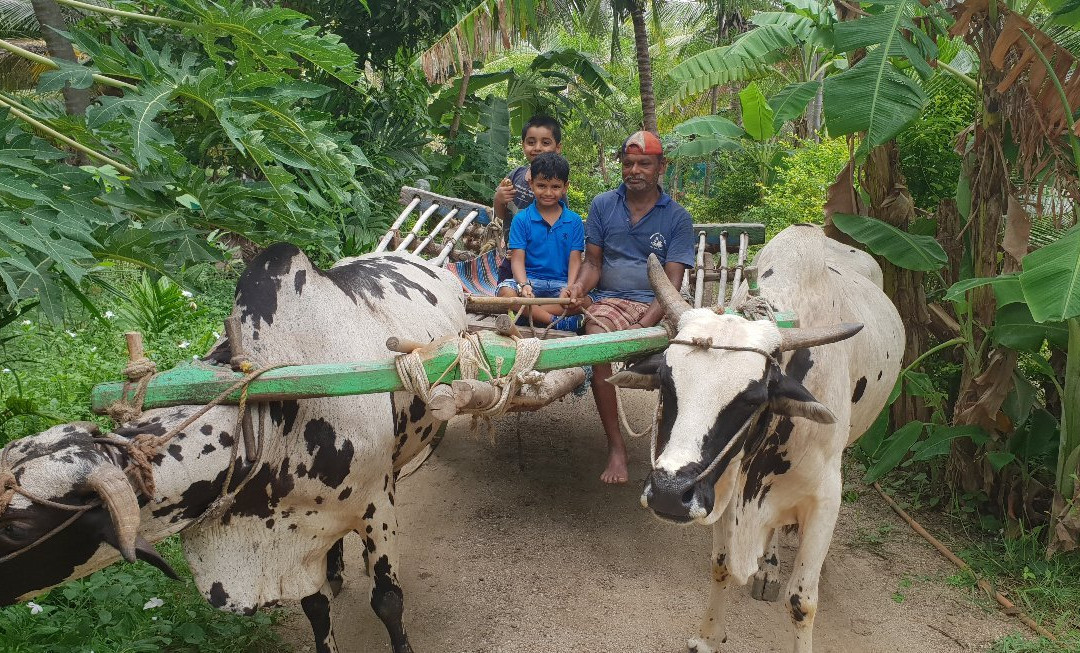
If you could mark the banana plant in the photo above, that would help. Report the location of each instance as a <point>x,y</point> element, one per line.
<point>707,134</point>
<point>804,45</point>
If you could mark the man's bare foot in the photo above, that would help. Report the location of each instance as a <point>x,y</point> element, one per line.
<point>616,468</point>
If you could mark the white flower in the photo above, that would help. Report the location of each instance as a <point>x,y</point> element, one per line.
<point>71,333</point>
<point>153,603</point>
<point>7,370</point>
<point>34,608</point>
<point>195,357</point>
<point>184,345</point>
<point>215,334</point>
<point>93,349</point>
<point>110,314</point>
<point>26,323</point>
<point>186,293</point>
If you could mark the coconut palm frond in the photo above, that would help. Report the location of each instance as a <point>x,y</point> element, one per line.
<point>17,19</point>
<point>491,26</point>
<point>18,74</point>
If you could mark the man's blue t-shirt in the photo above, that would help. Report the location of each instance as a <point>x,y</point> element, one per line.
<point>666,230</point>
<point>547,248</point>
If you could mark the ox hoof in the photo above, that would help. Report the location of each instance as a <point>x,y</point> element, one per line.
<point>699,645</point>
<point>765,589</point>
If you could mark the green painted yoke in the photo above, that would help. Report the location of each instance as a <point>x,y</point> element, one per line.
<point>199,382</point>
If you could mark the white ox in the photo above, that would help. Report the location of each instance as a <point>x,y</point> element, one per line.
<point>328,465</point>
<point>755,418</point>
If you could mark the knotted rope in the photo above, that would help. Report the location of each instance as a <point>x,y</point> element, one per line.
<point>139,372</point>
<point>142,448</point>
<point>469,362</point>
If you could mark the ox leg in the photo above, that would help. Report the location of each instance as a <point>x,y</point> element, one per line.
<point>335,566</point>
<point>317,609</point>
<point>767,579</point>
<point>713,630</point>
<point>380,552</point>
<point>815,534</point>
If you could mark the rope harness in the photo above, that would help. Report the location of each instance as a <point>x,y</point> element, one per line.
<point>706,343</point>
<point>469,362</point>
<point>140,451</point>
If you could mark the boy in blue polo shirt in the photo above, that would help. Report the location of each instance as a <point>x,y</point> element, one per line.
<point>546,243</point>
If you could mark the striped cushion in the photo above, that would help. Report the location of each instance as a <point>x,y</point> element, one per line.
<point>478,276</point>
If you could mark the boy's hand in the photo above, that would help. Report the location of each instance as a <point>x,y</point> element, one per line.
<point>504,194</point>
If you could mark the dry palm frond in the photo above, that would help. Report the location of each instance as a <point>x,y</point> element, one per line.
<point>17,73</point>
<point>491,26</point>
<point>1031,100</point>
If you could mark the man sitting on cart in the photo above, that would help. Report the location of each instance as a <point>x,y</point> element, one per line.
<point>624,226</point>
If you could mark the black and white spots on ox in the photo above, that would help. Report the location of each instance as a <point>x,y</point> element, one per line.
<point>327,466</point>
<point>755,418</point>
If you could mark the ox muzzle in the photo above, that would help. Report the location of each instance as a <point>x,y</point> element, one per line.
<point>678,497</point>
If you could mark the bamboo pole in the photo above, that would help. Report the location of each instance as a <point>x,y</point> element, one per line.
<point>1006,604</point>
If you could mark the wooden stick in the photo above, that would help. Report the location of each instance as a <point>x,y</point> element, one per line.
<point>505,302</point>
<point>402,346</point>
<point>134,345</point>
<point>1006,604</point>
<point>441,403</point>
<point>420,222</point>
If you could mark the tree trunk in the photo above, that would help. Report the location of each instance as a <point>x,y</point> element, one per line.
<point>891,203</point>
<point>601,160</point>
<point>641,43</point>
<point>459,106</point>
<point>986,377</point>
<point>52,23</point>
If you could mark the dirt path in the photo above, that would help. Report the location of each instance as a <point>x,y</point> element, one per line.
<point>544,558</point>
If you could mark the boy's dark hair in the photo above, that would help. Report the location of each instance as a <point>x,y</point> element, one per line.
<point>543,121</point>
<point>551,166</point>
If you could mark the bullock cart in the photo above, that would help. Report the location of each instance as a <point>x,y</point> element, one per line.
<point>503,368</point>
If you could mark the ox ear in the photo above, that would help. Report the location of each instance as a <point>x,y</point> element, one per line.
<point>641,375</point>
<point>791,398</point>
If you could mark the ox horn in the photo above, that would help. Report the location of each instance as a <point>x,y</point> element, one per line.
<point>666,293</point>
<point>801,338</point>
<point>111,484</point>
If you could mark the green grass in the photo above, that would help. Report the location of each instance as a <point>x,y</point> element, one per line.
<point>1047,590</point>
<point>112,611</point>
<point>47,373</point>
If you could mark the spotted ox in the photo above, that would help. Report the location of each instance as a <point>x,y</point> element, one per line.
<point>755,418</point>
<point>327,466</point>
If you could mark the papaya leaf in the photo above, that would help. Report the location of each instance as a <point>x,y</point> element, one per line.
<point>911,252</point>
<point>67,73</point>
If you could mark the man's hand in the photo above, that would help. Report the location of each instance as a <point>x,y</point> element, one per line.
<point>526,290</point>
<point>574,292</point>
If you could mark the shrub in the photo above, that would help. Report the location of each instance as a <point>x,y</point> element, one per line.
<point>802,180</point>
